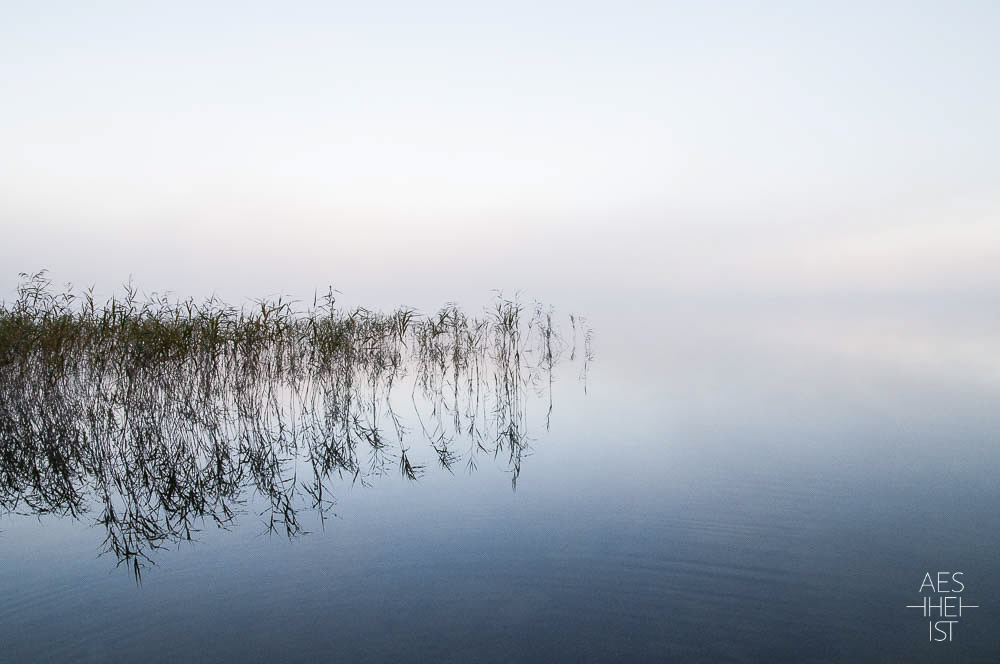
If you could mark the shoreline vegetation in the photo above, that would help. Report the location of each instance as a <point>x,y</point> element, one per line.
<point>159,415</point>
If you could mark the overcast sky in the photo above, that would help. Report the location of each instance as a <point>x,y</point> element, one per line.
<point>687,147</point>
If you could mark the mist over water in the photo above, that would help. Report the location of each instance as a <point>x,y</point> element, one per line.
<point>741,483</point>
<point>339,411</point>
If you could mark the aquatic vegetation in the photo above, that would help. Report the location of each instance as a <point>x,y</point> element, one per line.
<point>159,416</point>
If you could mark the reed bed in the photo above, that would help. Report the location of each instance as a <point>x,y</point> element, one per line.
<point>156,416</point>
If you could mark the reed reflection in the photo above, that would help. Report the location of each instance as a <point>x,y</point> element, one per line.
<point>156,417</point>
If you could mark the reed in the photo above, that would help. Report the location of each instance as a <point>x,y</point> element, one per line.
<point>160,416</point>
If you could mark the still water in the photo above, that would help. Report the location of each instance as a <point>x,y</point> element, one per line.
<point>748,482</point>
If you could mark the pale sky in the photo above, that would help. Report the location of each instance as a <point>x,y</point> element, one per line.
<point>396,148</point>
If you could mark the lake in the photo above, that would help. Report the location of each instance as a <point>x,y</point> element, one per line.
<point>748,480</point>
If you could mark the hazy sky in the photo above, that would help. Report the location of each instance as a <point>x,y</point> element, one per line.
<point>451,147</point>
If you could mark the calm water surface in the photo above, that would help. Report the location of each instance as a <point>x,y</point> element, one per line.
<point>764,482</point>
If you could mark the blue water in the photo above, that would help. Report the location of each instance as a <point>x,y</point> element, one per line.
<point>752,484</point>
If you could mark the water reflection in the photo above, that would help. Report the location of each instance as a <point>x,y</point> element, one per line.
<point>156,417</point>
